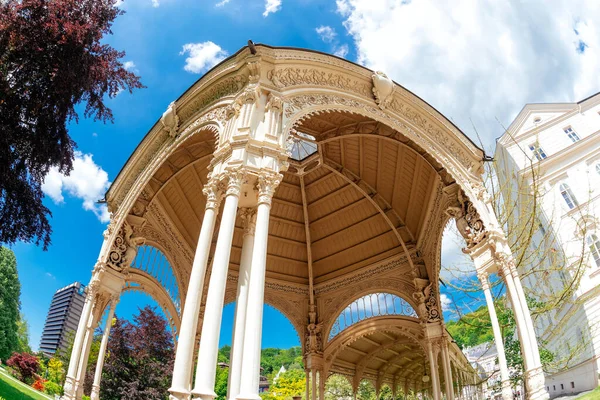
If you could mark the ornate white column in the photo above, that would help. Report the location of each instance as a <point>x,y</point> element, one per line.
<point>95,395</point>
<point>267,183</point>
<point>183,366</point>
<point>235,365</point>
<point>447,369</point>
<point>506,389</point>
<point>211,325</point>
<point>85,354</point>
<point>432,351</point>
<point>534,375</point>
<point>70,382</point>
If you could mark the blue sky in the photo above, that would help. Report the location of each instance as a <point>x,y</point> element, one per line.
<point>477,62</point>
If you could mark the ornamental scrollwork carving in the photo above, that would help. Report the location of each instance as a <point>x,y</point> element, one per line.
<point>314,338</point>
<point>426,299</point>
<point>123,249</point>
<point>468,221</point>
<point>225,87</point>
<point>287,77</point>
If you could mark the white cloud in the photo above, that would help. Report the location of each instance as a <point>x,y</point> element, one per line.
<point>327,33</point>
<point>202,56</point>
<point>222,3</point>
<point>155,3</point>
<point>480,60</point>
<point>272,6</point>
<point>446,302</point>
<point>49,275</point>
<point>87,181</point>
<point>455,263</point>
<point>341,51</point>
<point>129,65</point>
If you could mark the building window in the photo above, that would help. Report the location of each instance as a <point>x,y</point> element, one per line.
<point>567,194</point>
<point>571,134</point>
<point>598,168</point>
<point>562,387</point>
<point>553,387</point>
<point>537,151</point>
<point>572,385</point>
<point>594,244</point>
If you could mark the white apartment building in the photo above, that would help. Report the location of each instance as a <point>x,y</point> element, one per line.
<point>550,156</point>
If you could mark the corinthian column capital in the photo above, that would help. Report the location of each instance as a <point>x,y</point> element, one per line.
<point>214,193</point>
<point>248,216</point>
<point>267,184</point>
<point>235,178</point>
<point>484,279</point>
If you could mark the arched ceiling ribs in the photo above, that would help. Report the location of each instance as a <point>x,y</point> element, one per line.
<point>381,347</point>
<point>371,195</point>
<point>381,138</point>
<point>179,172</point>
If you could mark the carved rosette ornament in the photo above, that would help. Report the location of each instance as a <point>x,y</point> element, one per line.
<point>383,87</point>
<point>267,184</point>
<point>468,221</point>
<point>170,120</point>
<point>123,249</point>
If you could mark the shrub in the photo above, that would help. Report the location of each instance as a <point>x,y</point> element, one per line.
<point>26,364</point>
<point>84,397</point>
<point>38,384</point>
<point>53,388</point>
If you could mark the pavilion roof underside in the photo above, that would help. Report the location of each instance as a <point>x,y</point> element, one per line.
<point>386,354</point>
<point>366,191</point>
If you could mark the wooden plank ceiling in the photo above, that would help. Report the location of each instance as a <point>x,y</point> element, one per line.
<point>367,190</point>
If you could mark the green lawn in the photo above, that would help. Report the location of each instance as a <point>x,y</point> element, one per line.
<point>12,389</point>
<point>593,395</point>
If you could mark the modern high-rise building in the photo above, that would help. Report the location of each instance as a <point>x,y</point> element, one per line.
<point>63,316</point>
<point>548,165</point>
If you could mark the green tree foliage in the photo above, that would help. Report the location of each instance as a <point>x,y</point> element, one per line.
<point>23,334</point>
<point>272,359</point>
<point>10,290</point>
<point>338,387</point>
<point>221,382</point>
<point>366,391</point>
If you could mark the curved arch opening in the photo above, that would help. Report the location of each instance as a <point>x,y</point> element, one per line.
<point>370,306</point>
<point>152,261</point>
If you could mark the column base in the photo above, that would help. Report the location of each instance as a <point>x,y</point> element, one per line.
<point>248,397</point>
<point>507,393</point>
<point>95,395</point>
<point>535,381</point>
<point>203,394</point>
<point>69,389</point>
<point>179,394</point>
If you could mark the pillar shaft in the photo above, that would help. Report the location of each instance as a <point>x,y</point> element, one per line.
<point>182,368</point>
<point>95,395</point>
<point>70,385</point>
<point>447,370</point>
<point>84,356</point>
<point>433,367</point>
<point>237,347</point>
<point>211,324</point>
<point>506,391</point>
<point>267,184</point>
<point>522,330</point>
